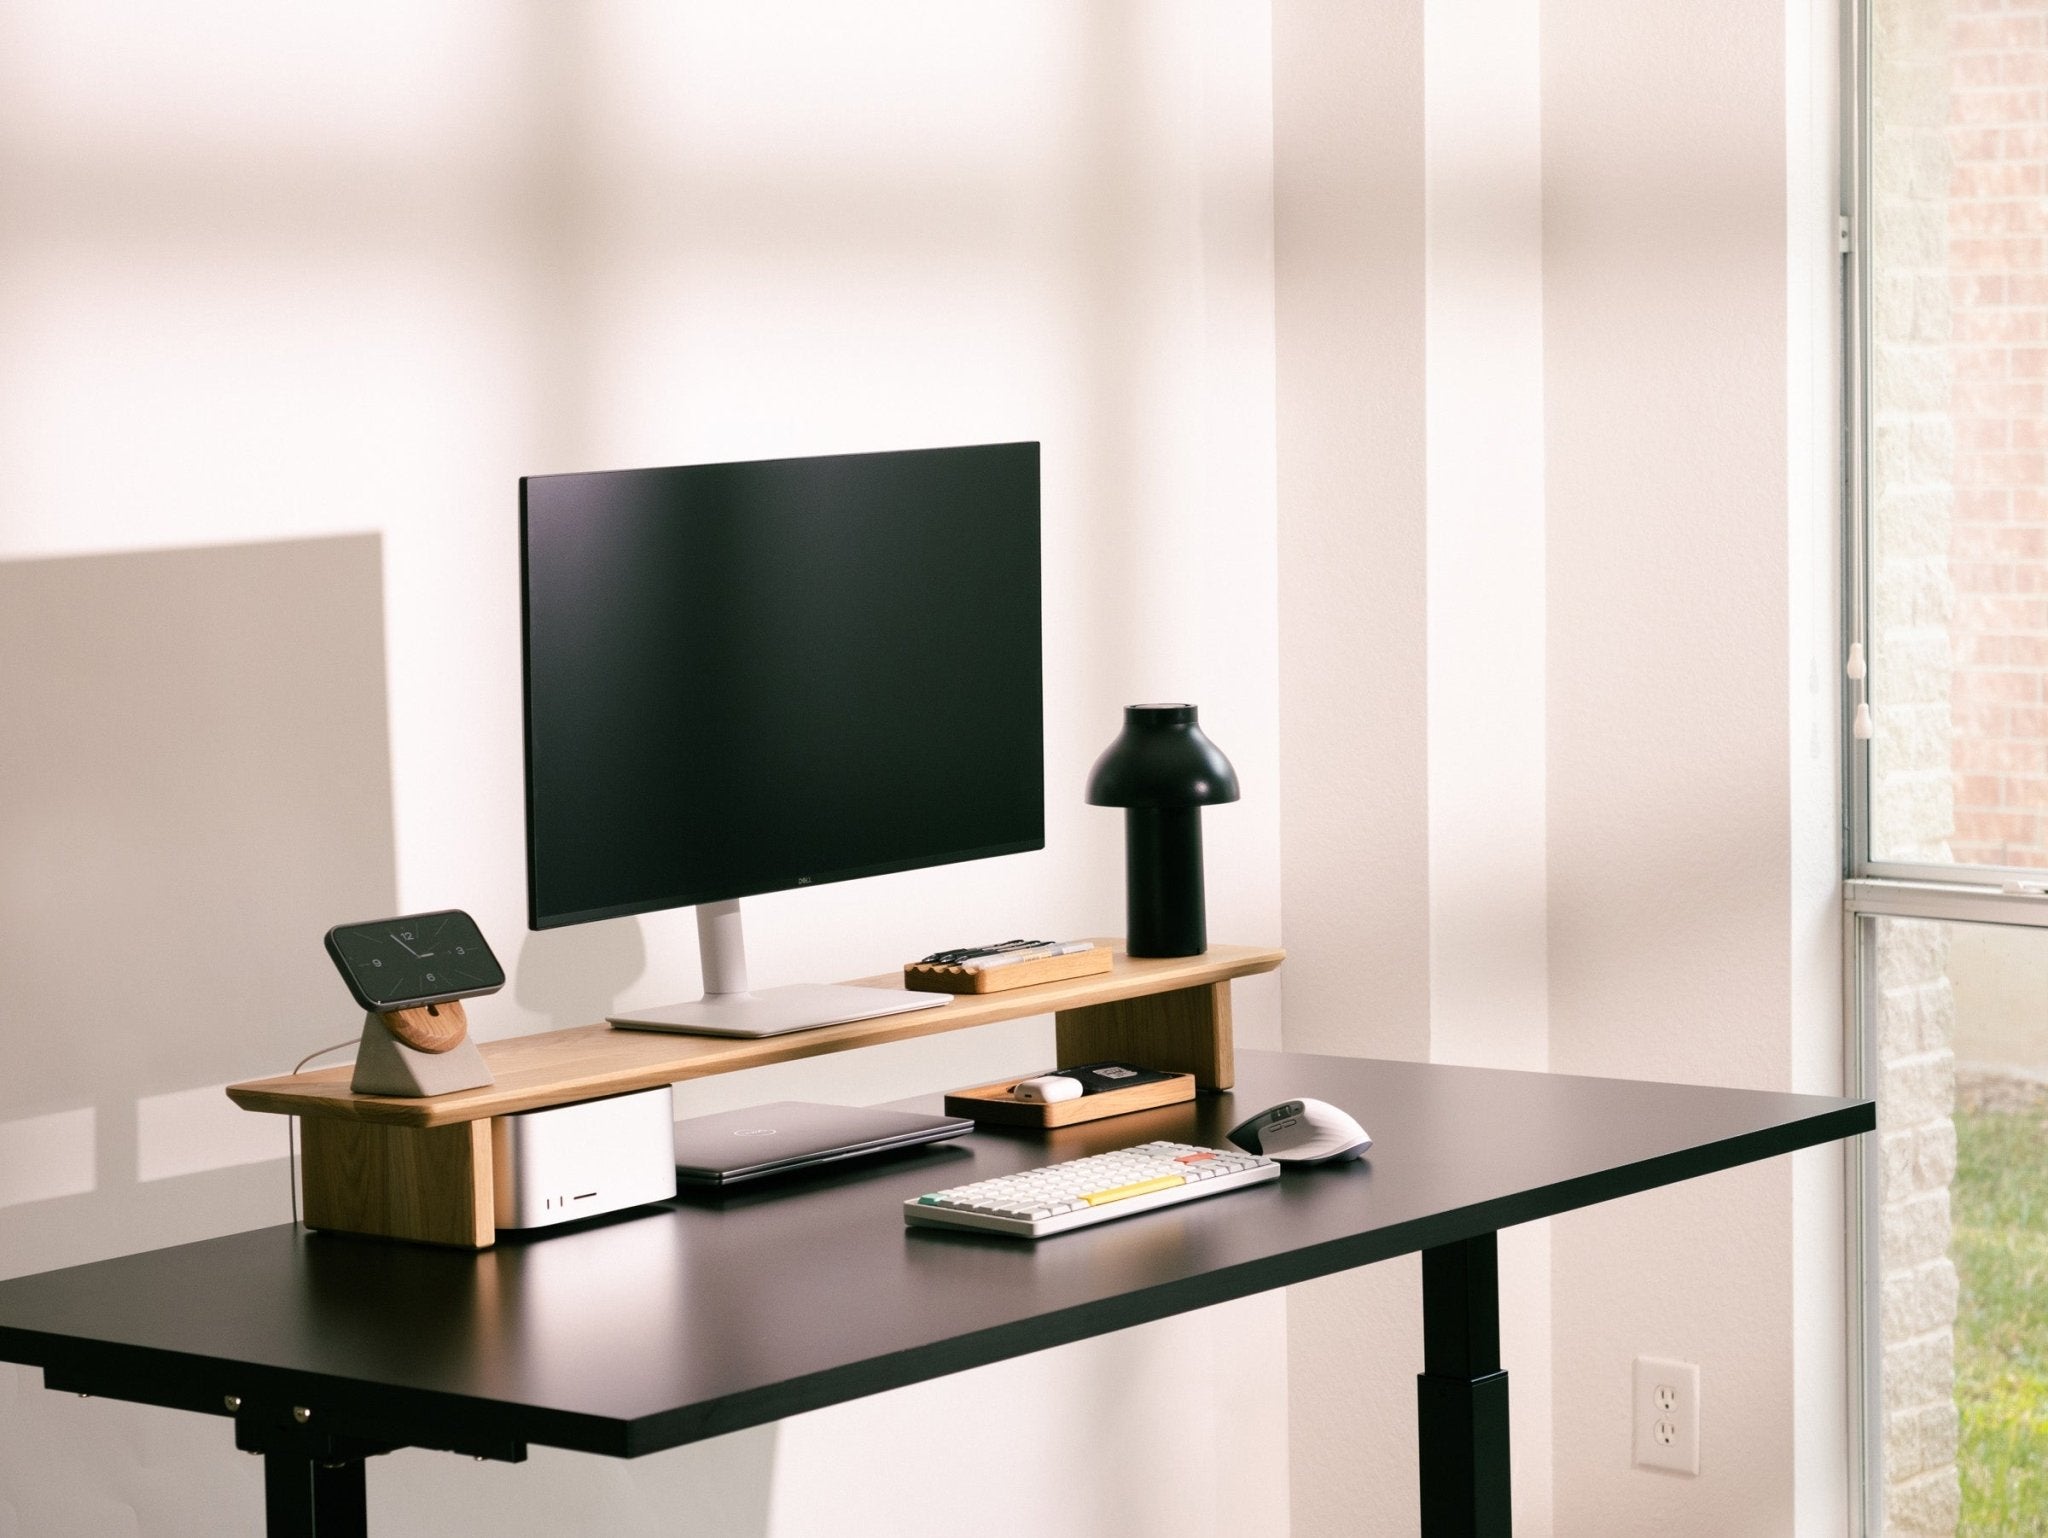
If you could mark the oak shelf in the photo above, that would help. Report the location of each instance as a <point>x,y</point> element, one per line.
<point>1162,1012</point>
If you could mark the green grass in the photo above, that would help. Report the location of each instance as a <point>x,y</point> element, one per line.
<point>2000,1207</point>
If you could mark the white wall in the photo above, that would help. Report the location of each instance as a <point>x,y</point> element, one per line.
<point>1821,1412</point>
<point>1487,638</point>
<point>1514,306</point>
<point>272,274</point>
<point>1691,828</point>
<point>1349,256</point>
<point>1596,571</point>
<point>1409,267</point>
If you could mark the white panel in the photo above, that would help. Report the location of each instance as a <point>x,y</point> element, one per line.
<point>1670,668</point>
<point>244,79</point>
<point>192,1130</point>
<point>1488,869</point>
<point>44,1157</point>
<point>1169,1430</point>
<point>1349,292</point>
<point>1349,247</point>
<point>1821,1410</point>
<point>270,271</point>
<point>1487,695</point>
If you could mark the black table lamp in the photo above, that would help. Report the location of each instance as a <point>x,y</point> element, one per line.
<point>1162,771</point>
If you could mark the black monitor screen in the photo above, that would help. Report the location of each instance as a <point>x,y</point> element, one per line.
<point>747,677</point>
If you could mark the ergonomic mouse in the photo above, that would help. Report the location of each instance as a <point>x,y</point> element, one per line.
<point>1302,1132</point>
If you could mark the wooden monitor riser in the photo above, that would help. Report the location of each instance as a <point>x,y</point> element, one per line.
<point>421,1169</point>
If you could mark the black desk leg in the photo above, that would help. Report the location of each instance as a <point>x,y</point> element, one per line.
<point>314,1498</point>
<point>1462,1394</point>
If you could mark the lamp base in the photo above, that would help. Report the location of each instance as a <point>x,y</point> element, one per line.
<point>1165,912</point>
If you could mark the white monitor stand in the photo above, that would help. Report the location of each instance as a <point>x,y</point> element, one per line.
<point>729,1008</point>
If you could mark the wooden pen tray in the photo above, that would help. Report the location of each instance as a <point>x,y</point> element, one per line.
<point>1020,974</point>
<point>993,1104</point>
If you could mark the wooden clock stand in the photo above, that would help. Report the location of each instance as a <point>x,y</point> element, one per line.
<point>418,1052</point>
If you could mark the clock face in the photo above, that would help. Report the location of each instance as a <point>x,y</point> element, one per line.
<point>418,959</point>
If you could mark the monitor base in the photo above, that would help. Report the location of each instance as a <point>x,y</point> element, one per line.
<point>771,1011</point>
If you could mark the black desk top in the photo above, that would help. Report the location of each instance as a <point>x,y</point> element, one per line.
<point>713,1313</point>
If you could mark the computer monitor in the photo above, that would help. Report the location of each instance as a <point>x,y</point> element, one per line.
<point>744,678</point>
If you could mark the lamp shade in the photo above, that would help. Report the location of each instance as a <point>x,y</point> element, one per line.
<point>1161,759</point>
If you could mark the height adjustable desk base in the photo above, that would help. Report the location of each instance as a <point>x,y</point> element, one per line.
<point>700,1318</point>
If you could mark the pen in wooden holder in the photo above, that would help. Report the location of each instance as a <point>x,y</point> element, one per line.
<point>418,1052</point>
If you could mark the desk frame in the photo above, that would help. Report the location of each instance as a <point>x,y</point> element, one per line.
<point>317,1409</point>
<point>315,1483</point>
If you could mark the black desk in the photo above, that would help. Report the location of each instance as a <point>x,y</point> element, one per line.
<point>711,1314</point>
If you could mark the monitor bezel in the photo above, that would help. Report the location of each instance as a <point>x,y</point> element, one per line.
<point>536,920</point>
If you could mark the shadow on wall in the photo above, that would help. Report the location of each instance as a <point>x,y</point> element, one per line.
<point>195,783</point>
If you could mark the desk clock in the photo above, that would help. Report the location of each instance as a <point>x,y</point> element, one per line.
<point>411,974</point>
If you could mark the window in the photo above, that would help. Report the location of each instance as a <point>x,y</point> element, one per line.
<point>1949,766</point>
<point>1957,343</point>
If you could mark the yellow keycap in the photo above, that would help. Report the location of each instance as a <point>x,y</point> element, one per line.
<point>1135,1188</point>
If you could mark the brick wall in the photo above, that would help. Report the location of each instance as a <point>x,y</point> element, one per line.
<point>1914,777</point>
<point>1912,490</point>
<point>1998,352</point>
<point>1918,1286</point>
<point>1959,568</point>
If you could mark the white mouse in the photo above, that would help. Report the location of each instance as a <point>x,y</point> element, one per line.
<point>1302,1132</point>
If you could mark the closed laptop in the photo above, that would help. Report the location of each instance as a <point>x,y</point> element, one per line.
<point>732,1146</point>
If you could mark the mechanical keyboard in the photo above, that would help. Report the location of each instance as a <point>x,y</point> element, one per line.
<point>1058,1197</point>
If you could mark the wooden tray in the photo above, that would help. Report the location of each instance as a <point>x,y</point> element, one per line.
<point>1019,974</point>
<point>992,1103</point>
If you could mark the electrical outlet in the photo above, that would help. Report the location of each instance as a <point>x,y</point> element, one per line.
<point>1667,1415</point>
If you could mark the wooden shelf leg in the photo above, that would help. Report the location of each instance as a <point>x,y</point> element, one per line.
<point>1187,1031</point>
<point>431,1184</point>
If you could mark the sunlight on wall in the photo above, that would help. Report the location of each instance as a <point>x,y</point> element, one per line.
<point>272,274</point>
<point>43,1157</point>
<point>194,1130</point>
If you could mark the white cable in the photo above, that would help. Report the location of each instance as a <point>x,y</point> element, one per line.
<point>291,1124</point>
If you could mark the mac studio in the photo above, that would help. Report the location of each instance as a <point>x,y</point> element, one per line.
<point>1444,400</point>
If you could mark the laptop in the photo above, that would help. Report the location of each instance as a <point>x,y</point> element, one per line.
<point>733,1146</point>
